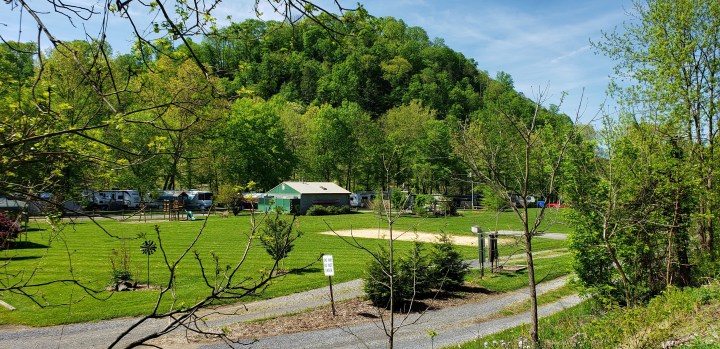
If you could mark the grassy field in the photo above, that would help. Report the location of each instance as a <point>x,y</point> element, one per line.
<point>82,251</point>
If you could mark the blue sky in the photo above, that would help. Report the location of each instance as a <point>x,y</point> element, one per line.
<point>541,44</point>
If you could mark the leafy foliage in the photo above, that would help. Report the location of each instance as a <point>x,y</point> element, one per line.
<point>447,266</point>
<point>278,235</point>
<point>9,230</point>
<point>320,210</point>
<point>416,273</point>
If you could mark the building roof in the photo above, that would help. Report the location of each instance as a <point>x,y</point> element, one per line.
<point>316,187</point>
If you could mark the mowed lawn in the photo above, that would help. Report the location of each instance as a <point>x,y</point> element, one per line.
<point>82,251</point>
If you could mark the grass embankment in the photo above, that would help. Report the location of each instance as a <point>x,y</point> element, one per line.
<point>82,252</point>
<point>687,318</point>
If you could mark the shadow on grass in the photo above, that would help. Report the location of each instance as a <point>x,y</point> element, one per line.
<point>24,245</point>
<point>18,258</point>
<point>303,271</point>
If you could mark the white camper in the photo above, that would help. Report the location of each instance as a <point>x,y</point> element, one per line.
<point>116,198</point>
<point>199,199</point>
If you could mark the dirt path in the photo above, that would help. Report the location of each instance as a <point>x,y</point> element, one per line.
<point>411,236</point>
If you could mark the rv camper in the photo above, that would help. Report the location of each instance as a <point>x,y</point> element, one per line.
<point>116,199</point>
<point>199,199</point>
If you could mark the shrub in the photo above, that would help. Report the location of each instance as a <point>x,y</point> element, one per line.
<point>414,273</point>
<point>377,280</point>
<point>120,262</point>
<point>9,230</point>
<point>344,210</point>
<point>422,202</point>
<point>448,268</point>
<point>411,278</point>
<point>399,200</point>
<point>277,236</point>
<point>318,210</point>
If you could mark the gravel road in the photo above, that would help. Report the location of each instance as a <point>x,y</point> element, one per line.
<point>101,334</point>
<point>454,325</point>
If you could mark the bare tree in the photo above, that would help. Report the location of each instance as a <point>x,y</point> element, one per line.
<point>518,155</point>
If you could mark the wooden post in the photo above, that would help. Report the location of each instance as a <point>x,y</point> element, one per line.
<point>332,299</point>
<point>329,270</point>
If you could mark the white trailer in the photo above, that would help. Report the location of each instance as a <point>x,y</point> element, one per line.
<point>200,199</point>
<point>116,198</point>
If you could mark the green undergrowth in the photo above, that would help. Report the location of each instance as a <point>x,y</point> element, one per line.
<point>688,318</point>
<point>545,298</point>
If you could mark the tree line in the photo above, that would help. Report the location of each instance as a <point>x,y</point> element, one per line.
<point>270,102</point>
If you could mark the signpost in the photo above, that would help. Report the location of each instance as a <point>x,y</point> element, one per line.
<point>329,269</point>
<point>481,248</point>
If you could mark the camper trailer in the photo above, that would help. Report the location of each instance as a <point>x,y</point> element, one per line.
<point>199,199</point>
<point>116,199</point>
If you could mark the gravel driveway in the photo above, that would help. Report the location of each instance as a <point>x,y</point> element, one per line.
<point>454,325</point>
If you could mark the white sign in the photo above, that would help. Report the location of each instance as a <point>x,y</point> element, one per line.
<point>328,265</point>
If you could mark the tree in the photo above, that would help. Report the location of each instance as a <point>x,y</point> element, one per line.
<point>66,117</point>
<point>277,236</point>
<point>651,183</point>
<point>669,53</point>
<point>517,148</point>
<point>632,211</point>
<point>336,141</point>
<point>250,144</point>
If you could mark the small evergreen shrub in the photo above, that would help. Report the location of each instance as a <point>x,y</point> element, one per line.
<point>377,281</point>
<point>448,268</point>
<point>417,273</point>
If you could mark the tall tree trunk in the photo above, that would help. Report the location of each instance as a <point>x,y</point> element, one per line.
<point>533,289</point>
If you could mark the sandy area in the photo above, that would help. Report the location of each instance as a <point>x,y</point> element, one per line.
<point>411,236</point>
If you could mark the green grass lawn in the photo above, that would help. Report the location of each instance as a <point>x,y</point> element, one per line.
<point>82,251</point>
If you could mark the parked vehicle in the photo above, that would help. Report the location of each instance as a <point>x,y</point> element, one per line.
<point>116,199</point>
<point>362,199</point>
<point>199,199</point>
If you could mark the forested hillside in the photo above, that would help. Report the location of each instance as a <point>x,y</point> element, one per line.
<point>366,102</point>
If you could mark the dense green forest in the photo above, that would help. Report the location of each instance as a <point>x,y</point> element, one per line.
<point>375,106</point>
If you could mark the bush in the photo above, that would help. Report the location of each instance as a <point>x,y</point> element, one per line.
<point>413,273</point>
<point>318,210</point>
<point>377,281</point>
<point>9,230</point>
<point>120,263</point>
<point>448,268</point>
<point>278,237</point>
<point>421,204</point>
<point>417,273</point>
<point>399,200</point>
